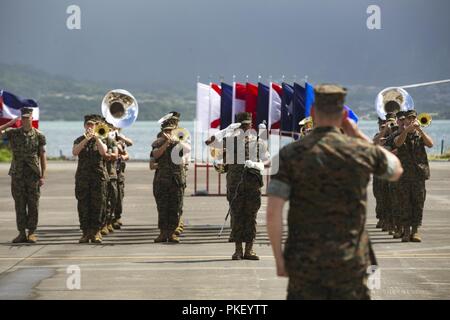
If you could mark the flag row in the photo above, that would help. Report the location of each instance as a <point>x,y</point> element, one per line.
<point>279,106</point>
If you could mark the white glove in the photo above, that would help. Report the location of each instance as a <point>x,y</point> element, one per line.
<point>254,165</point>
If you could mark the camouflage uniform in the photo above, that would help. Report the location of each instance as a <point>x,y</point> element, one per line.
<point>325,177</point>
<point>112,192</point>
<point>120,169</point>
<point>168,187</point>
<point>412,192</point>
<point>25,174</point>
<point>243,185</point>
<point>91,181</point>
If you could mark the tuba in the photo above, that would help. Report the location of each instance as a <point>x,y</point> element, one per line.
<point>397,94</point>
<point>120,108</point>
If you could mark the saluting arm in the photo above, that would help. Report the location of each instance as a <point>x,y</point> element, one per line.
<point>7,125</point>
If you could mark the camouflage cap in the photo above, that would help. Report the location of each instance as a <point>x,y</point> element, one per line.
<point>169,124</point>
<point>243,117</point>
<point>329,97</point>
<point>381,121</point>
<point>175,115</point>
<point>410,113</point>
<point>390,116</point>
<point>90,118</point>
<point>400,115</point>
<point>26,112</point>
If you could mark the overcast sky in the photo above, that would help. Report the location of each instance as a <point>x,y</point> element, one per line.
<point>143,42</point>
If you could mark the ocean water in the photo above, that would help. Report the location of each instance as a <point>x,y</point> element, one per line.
<point>61,134</point>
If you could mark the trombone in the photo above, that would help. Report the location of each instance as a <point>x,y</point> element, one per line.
<point>424,119</point>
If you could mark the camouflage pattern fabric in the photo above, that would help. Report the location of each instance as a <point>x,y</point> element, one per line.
<point>325,178</point>
<point>244,188</point>
<point>25,173</point>
<point>168,189</point>
<point>91,181</point>
<point>411,186</point>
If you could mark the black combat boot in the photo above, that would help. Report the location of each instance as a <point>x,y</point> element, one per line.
<point>249,253</point>
<point>22,237</point>
<point>406,233</point>
<point>398,232</point>
<point>162,237</point>
<point>85,237</point>
<point>238,253</point>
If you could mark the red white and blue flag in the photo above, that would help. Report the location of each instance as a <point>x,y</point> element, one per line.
<point>239,97</point>
<point>10,106</point>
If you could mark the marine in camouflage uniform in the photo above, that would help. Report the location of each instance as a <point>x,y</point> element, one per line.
<point>325,178</point>
<point>111,190</point>
<point>120,169</point>
<point>27,173</point>
<point>411,143</point>
<point>91,180</point>
<point>168,182</point>
<point>244,186</point>
<point>394,186</point>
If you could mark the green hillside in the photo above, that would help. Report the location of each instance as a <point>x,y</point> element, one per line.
<point>61,98</point>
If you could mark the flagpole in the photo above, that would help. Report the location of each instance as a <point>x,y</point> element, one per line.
<point>195,140</point>
<point>233,97</point>
<point>423,84</point>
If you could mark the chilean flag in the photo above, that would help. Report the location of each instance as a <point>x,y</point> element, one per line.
<point>275,95</point>
<point>251,99</point>
<point>10,106</point>
<point>215,93</point>
<point>239,96</point>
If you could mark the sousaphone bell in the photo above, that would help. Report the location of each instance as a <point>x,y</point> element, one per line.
<point>120,108</point>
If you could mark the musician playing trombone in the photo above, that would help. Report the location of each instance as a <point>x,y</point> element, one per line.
<point>411,143</point>
<point>90,180</point>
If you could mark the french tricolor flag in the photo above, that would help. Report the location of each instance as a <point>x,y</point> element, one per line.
<point>10,106</point>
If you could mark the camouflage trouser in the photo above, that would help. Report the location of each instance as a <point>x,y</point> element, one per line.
<point>302,288</point>
<point>395,204</point>
<point>91,195</point>
<point>26,193</point>
<point>111,200</point>
<point>245,206</point>
<point>168,192</point>
<point>412,194</point>
<point>377,193</point>
<point>120,195</point>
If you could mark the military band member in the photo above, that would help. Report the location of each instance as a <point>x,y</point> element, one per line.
<point>91,180</point>
<point>122,143</point>
<point>169,180</point>
<point>111,190</point>
<point>411,143</point>
<point>325,177</point>
<point>28,169</point>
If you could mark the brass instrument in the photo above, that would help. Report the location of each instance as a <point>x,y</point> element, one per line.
<point>397,94</point>
<point>424,119</point>
<point>180,135</point>
<point>306,125</point>
<point>101,130</point>
<point>120,108</point>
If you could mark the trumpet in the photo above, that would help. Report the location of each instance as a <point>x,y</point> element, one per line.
<point>424,119</point>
